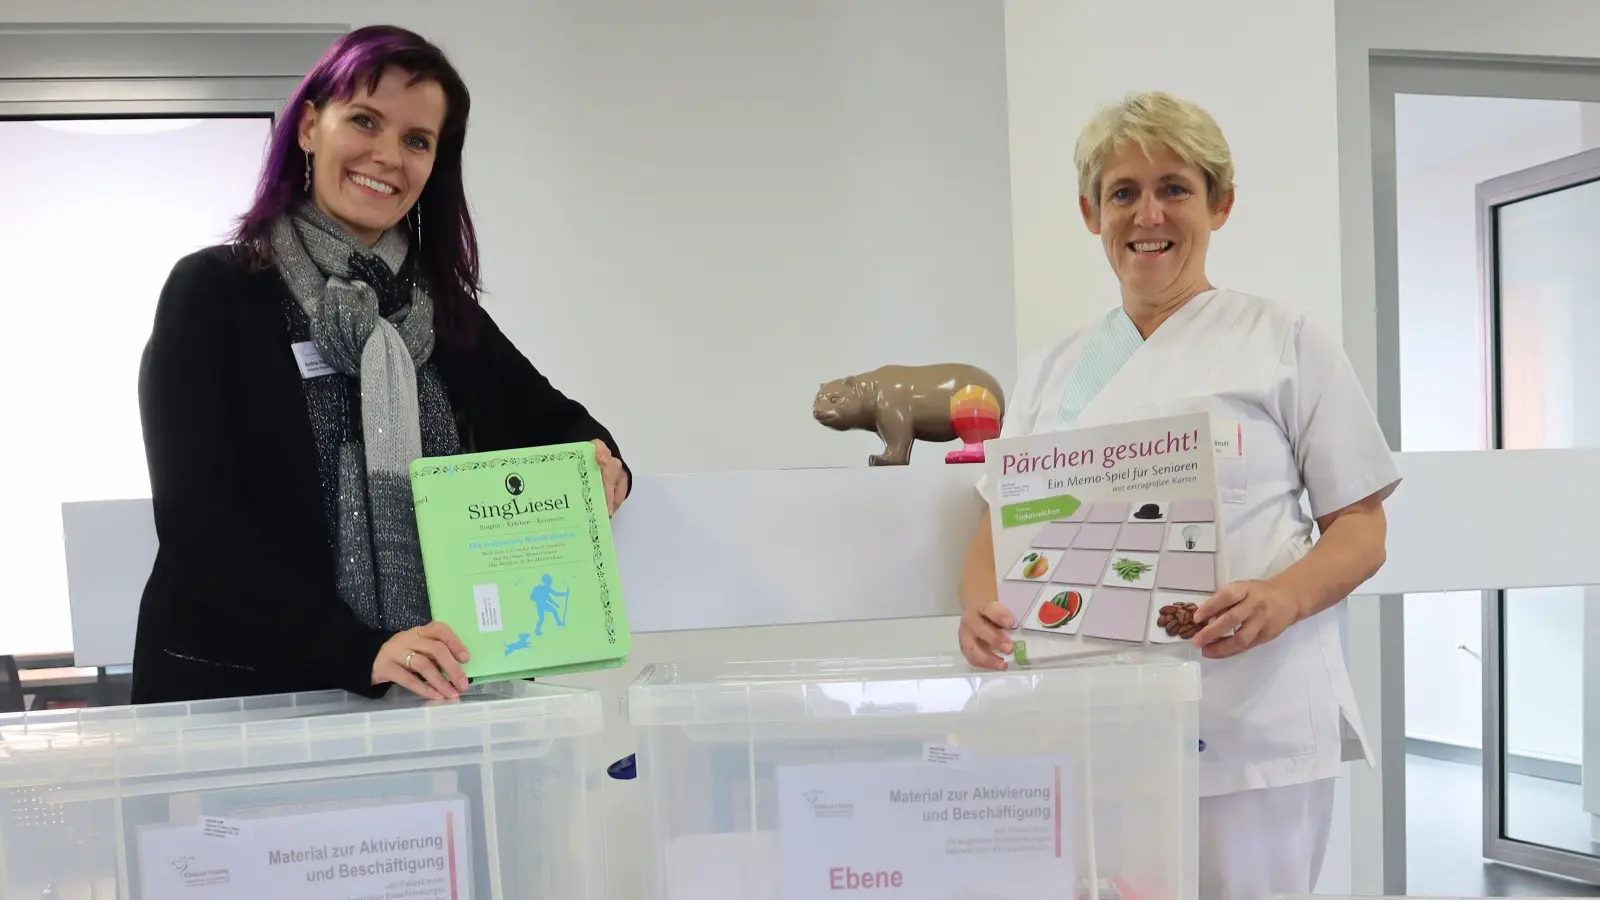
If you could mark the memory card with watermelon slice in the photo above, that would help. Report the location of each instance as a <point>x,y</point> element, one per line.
<point>1059,609</point>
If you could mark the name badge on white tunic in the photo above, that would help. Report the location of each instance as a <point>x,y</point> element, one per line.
<point>311,363</point>
<point>1228,437</point>
<point>1233,476</point>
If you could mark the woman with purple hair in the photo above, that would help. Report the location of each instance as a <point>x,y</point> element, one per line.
<point>292,375</point>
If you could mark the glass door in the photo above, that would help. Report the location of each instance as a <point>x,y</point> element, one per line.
<point>1539,255</point>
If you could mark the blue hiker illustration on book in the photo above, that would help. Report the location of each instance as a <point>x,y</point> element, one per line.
<point>544,597</point>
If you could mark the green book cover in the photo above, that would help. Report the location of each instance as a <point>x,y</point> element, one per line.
<point>517,552</point>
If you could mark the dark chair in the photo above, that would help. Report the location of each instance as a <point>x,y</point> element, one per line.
<point>11,697</point>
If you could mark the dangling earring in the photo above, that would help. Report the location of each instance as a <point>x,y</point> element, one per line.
<point>308,172</point>
<point>418,226</point>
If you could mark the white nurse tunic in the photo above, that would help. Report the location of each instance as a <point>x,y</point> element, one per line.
<point>1282,713</point>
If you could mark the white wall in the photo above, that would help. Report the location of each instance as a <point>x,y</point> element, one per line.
<point>1444,147</point>
<point>1066,59</point>
<point>799,191</point>
<point>1444,669</point>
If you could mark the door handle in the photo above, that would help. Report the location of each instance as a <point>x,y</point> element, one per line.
<point>1470,652</point>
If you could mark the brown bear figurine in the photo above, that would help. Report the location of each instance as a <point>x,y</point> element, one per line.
<point>901,403</point>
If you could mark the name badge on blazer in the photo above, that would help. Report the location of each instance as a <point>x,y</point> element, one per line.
<point>311,363</point>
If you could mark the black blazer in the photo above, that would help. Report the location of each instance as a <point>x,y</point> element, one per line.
<point>242,599</point>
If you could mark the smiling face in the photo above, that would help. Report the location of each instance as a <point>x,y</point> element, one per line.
<point>372,154</point>
<point>1155,222</point>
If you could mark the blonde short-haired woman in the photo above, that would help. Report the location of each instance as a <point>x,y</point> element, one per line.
<point>1278,717</point>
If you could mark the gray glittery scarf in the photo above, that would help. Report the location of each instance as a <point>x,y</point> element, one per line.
<point>375,327</point>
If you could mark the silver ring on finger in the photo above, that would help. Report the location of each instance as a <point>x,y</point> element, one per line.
<point>407,663</point>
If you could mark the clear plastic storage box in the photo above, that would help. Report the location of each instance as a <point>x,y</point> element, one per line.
<point>921,778</point>
<point>321,796</point>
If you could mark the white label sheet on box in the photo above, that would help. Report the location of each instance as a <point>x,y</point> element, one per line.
<point>1004,827</point>
<point>415,850</point>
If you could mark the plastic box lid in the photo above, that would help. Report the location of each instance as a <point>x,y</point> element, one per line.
<point>811,689</point>
<point>61,747</point>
